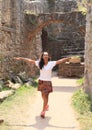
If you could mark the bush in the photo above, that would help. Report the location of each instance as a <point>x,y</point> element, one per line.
<point>81,101</point>
<point>80,81</point>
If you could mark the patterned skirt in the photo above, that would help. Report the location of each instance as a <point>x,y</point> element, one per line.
<point>45,86</point>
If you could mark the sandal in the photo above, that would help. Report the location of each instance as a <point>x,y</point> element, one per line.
<point>43,114</point>
<point>1,121</point>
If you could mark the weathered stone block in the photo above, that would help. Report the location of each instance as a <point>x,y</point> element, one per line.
<point>71,70</point>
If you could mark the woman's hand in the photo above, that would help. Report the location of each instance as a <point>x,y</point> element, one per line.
<point>25,59</point>
<point>67,59</point>
<point>63,60</point>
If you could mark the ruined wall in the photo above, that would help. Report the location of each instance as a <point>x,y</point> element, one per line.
<point>48,6</point>
<point>0,36</point>
<point>35,7</point>
<point>5,37</point>
<point>11,37</point>
<point>88,54</point>
<point>61,5</point>
<point>14,40</point>
<point>65,38</point>
<point>0,11</point>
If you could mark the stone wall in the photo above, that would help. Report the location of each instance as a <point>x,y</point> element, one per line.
<point>0,36</point>
<point>50,6</point>
<point>61,5</point>
<point>65,38</point>
<point>88,54</point>
<point>11,37</point>
<point>0,11</point>
<point>71,70</point>
<point>5,37</point>
<point>14,41</point>
<point>35,7</point>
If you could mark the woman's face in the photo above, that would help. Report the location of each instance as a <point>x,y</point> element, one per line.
<point>45,56</point>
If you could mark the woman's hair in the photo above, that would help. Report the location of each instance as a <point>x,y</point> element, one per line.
<point>41,62</point>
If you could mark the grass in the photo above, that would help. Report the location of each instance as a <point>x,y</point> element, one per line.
<point>22,91</point>
<point>85,121</point>
<point>82,103</point>
<point>21,95</point>
<point>80,81</point>
<point>14,108</point>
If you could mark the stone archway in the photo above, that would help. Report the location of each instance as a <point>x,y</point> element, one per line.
<point>43,20</point>
<point>34,24</point>
<point>66,19</point>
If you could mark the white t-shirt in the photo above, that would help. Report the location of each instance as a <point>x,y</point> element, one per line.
<point>45,72</point>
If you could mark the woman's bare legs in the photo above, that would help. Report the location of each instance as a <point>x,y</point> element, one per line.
<point>45,102</point>
<point>45,97</point>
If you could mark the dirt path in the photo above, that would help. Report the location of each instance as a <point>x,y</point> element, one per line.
<point>59,117</point>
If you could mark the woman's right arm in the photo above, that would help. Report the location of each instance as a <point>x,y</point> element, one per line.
<point>25,59</point>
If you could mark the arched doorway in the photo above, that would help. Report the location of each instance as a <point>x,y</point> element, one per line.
<point>61,34</point>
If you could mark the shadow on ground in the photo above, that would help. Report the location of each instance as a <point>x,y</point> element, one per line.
<point>69,89</point>
<point>41,124</point>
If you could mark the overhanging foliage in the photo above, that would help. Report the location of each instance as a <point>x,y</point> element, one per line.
<point>83,5</point>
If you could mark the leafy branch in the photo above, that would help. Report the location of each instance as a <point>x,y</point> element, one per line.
<point>83,5</point>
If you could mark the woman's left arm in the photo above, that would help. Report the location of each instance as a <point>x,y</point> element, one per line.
<point>62,60</point>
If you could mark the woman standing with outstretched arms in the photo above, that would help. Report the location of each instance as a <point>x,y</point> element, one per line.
<point>44,83</point>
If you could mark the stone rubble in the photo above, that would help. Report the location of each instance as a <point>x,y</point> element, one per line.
<point>15,83</point>
<point>5,94</point>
